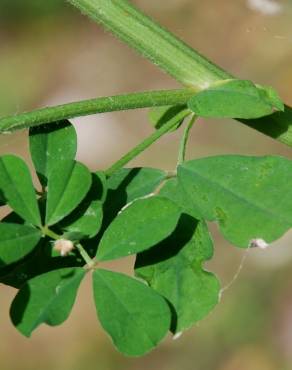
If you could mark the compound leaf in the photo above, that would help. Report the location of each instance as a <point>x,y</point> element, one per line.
<point>47,298</point>
<point>138,227</point>
<point>250,197</point>
<point>50,144</point>
<point>134,315</point>
<point>17,188</point>
<point>68,184</point>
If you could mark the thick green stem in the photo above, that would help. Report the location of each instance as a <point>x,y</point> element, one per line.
<point>184,140</point>
<point>146,143</point>
<point>98,105</point>
<point>173,55</point>
<point>152,41</point>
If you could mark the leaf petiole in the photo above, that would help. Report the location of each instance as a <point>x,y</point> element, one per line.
<point>184,140</point>
<point>146,143</point>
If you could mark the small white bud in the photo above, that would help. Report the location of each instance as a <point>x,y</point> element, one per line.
<point>258,243</point>
<point>63,246</point>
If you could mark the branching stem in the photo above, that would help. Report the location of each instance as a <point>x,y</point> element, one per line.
<point>146,143</point>
<point>98,105</point>
<point>89,261</point>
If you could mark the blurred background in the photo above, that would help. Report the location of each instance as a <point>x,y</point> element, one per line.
<point>50,54</point>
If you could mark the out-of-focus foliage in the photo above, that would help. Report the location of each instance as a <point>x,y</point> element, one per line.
<point>13,10</point>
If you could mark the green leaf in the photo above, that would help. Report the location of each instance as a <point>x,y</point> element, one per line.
<point>68,184</point>
<point>47,298</point>
<point>235,99</point>
<point>86,219</point>
<point>16,241</point>
<point>271,96</point>
<point>89,221</point>
<point>138,227</point>
<point>174,269</point>
<point>50,144</point>
<point>250,197</point>
<point>128,184</point>
<point>134,315</point>
<point>17,188</point>
<point>161,115</point>
<point>174,191</point>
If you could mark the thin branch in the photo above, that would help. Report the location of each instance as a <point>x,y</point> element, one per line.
<point>184,140</point>
<point>146,143</point>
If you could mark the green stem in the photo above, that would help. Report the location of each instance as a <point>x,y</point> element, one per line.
<point>89,261</point>
<point>50,233</point>
<point>184,140</point>
<point>98,105</point>
<point>146,143</point>
<point>152,41</point>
